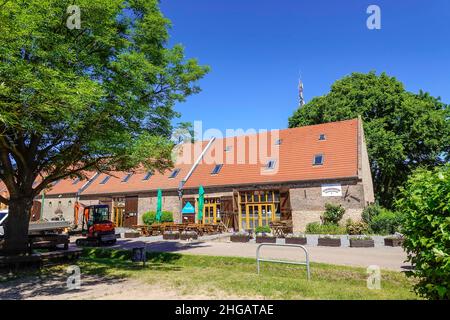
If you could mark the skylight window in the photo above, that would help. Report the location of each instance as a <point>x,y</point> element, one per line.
<point>147,176</point>
<point>127,177</point>
<point>318,160</point>
<point>227,148</point>
<point>322,137</point>
<point>217,169</point>
<point>174,173</point>
<point>270,164</point>
<point>76,181</point>
<point>278,142</point>
<point>105,180</point>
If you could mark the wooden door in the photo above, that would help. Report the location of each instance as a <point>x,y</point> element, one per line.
<point>35,214</point>
<point>131,212</point>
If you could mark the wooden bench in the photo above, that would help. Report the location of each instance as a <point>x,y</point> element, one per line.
<point>38,260</point>
<point>48,241</point>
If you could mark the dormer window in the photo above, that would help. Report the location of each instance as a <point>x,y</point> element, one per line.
<point>270,164</point>
<point>278,142</point>
<point>217,169</point>
<point>105,180</point>
<point>174,173</point>
<point>322,137</point>
<point>318,160</point>
<point>147,176</point>
<point>127,177</point>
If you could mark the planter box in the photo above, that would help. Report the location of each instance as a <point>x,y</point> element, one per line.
<point>240,238</point>
<point>187,236</point>
<point>393,242</point>
<point>295,240</point>
<point>171,236</point>
<point>361,243</point>
<point>325,242</point>
<point>130,235</point>
<point>264,239</point>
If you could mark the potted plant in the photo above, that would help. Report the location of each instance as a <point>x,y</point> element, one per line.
<point>171,235</point>
<point>394,241</point>
<point>264,235</point>
<point>187,235</point>
<point>241,236</point>
<point>361,242</point>
<point>295,238</point>
<point>329,241</point>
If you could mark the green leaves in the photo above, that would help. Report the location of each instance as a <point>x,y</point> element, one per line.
<point>425,202</point>
<point>99,96</point>
<point>403,130</point>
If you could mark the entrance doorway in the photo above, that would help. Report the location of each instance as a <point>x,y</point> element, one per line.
<point>258,208</point>
<point>211,210</point>
<point>118,211</point>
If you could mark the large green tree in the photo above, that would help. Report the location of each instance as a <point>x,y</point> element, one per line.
<point>98,97</point>
<point>403,130</point>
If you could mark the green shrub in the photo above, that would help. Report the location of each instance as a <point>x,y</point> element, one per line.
<point>317,228</point>
<point>263,229</point>
<point>386,222</point>
<point>149,218</point>
<point>370,212</point>
<point>425,202</point>
<point>356,227</point>
<point>333,214</point>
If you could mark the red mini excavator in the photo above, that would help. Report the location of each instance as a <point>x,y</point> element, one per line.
<point>96,227</point>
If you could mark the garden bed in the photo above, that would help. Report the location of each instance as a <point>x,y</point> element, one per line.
<point>329,242</point>
<point>362,243</point>
<point>189,235</point>
<point>393,242</point>
<point>171,235</point>
<point>266,239</point>
<point>296,240</point>
<point>240,238</point>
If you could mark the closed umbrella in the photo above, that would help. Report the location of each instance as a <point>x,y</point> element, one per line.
<point>159,207</point>
<point>201,200</point>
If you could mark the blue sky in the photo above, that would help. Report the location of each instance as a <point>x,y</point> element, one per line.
<point>256,49</point>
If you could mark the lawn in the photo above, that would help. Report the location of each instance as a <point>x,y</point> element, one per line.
<point>195,274</point>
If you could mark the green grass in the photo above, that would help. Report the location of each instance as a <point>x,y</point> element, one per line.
<point>194,274</point>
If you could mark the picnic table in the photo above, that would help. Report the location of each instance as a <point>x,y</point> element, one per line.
<point>281,228</point>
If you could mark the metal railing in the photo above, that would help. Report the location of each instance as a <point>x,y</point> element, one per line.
<point>306,263</point>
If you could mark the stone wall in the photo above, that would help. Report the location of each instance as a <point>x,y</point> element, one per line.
<point>170,203</point>
<point>308,204</point>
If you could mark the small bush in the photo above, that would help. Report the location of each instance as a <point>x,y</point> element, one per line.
<point>317,228</point>
<point>263,229</point>
<point>356,227</point>
<point>149,218</point>
<point>425,202</point>
<point>386,222</point>
<point>333,214</point>
<point>370,212</point>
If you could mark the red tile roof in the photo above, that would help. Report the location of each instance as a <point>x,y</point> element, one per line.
<point>69,185</point>
<point>294,157</point>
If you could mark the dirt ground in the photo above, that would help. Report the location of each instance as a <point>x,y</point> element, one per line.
<point>96,288</point>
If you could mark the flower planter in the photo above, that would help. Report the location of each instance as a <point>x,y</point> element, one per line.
<point>239,238</point>
<point>329,242</point>
<point>171,236</point>
<point>189,235</point>
<point>391,242</point>
<point>265,239</point>
<point>130,235</point>
<point>362,243</point>
<point>295,240</point>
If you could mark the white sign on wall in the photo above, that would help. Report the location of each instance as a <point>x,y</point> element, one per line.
<point>331,190</point>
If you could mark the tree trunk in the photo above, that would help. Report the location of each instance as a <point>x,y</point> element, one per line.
<point>16,228</point>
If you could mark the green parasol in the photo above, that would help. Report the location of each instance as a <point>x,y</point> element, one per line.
<point>201,200</point>
<point>159,207</point>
